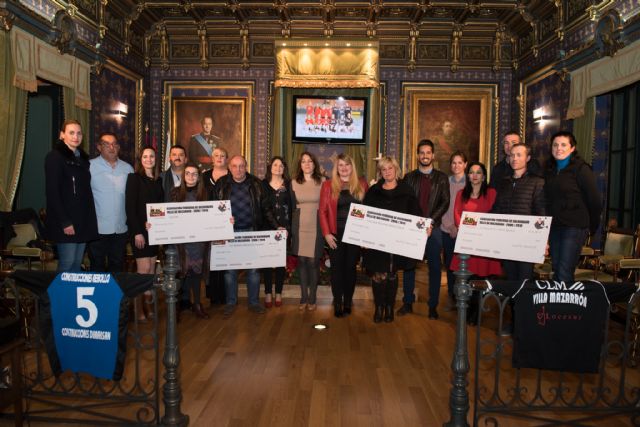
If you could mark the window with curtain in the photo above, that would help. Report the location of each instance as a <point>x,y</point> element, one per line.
<point>624,157</point>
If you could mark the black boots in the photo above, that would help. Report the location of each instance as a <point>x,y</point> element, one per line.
<point>385,287</point>
<point>377,285</point>
<point>337,309</point>
<point>377,315</point>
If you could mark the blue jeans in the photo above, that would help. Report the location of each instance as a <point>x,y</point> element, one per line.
<point>565,245</point>
<point>231,286</point>
<point>434,247</point>
<point>448,244</point>
<point>70,256</point>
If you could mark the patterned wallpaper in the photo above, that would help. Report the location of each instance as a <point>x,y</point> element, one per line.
<point>262,78</point>
<point>395,77</point>
<point>108,90</point>
<point>552,94</point>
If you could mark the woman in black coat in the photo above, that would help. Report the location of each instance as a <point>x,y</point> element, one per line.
<point>574,202</point>
<point>71,214</point>
<point>392,194</point>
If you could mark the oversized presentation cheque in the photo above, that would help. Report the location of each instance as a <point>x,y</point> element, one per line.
<point>387,231</point>
<point>512,237</point>
<point>250,249</point>
<point>189,222</point>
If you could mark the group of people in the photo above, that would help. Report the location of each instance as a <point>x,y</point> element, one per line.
<point>102,202</point>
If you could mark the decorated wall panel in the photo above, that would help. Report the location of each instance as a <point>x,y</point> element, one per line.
<point>116,108</point>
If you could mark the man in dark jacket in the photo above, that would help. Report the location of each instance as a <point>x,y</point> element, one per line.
<point>521,193</point>
<point>431,187</point>
<point>172,176</point>
<point>503,168</point>
<point>251,211</point>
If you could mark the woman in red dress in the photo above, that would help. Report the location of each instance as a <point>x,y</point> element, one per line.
<point>476,196</point>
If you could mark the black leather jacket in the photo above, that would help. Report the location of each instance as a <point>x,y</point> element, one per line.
<point>263,218</point>
<point>439,196</point>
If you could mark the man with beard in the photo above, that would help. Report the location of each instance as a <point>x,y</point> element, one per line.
<point>431,187</point>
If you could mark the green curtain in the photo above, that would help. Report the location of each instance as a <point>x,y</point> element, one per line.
<point>72,111</point>
<point>13,113</point>
<point>282,126</point>
<point>583,128</point>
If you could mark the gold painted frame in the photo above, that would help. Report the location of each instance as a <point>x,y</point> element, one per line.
<point>425,97</point>
<point>230,104</point>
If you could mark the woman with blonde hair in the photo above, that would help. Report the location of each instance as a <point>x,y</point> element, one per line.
<point>336,196</point>
<point>219,162</point>
<point>392,194</point>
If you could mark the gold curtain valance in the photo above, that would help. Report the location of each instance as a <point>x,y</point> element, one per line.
<point>326,63</point>
<point>35,58</point>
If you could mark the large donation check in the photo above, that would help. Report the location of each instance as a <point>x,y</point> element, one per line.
<point>250,249</point>
<point>512,237</point>
<point>189,222</point>
<point>387,231</point>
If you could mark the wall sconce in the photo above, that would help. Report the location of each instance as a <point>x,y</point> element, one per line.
<point>120,110</point>
<point>540,115</point>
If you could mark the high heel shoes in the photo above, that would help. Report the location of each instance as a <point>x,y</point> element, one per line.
<point>199,311</point>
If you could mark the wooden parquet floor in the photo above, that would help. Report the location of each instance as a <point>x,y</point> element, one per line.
<point>275,369</point>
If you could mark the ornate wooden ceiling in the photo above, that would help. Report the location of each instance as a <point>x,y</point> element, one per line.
<point>436,33</point>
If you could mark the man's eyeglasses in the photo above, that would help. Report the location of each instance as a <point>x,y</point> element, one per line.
<point>109,144</point>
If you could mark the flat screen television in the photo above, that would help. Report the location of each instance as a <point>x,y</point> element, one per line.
<point>330,119</point>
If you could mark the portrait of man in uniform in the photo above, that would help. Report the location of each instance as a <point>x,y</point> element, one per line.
<point>202,144</point>
<point>201,124</point>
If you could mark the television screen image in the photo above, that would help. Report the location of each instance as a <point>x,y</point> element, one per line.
<point>330,119</point>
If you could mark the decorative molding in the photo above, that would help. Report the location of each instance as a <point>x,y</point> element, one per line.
<point>6,20</point>
<point>63,33</point>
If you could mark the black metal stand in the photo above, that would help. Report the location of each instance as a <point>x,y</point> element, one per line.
<point>172,395</point>
<point>459,396</point>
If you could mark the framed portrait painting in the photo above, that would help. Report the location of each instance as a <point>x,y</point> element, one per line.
<point>454,117</point>
<point>204,117</point>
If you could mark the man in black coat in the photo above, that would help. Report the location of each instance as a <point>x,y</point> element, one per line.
<point>431,187</point>
<point>521,193</point>
<point>503,168</point>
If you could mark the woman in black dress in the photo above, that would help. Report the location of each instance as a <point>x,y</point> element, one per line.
<point>392,194</point>
<point>143,186</point>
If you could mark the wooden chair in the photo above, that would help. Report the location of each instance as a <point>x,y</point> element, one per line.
<point>621,247</point>
<point>19,247</point>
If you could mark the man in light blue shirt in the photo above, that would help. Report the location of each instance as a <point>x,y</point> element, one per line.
<point>108,182</point>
